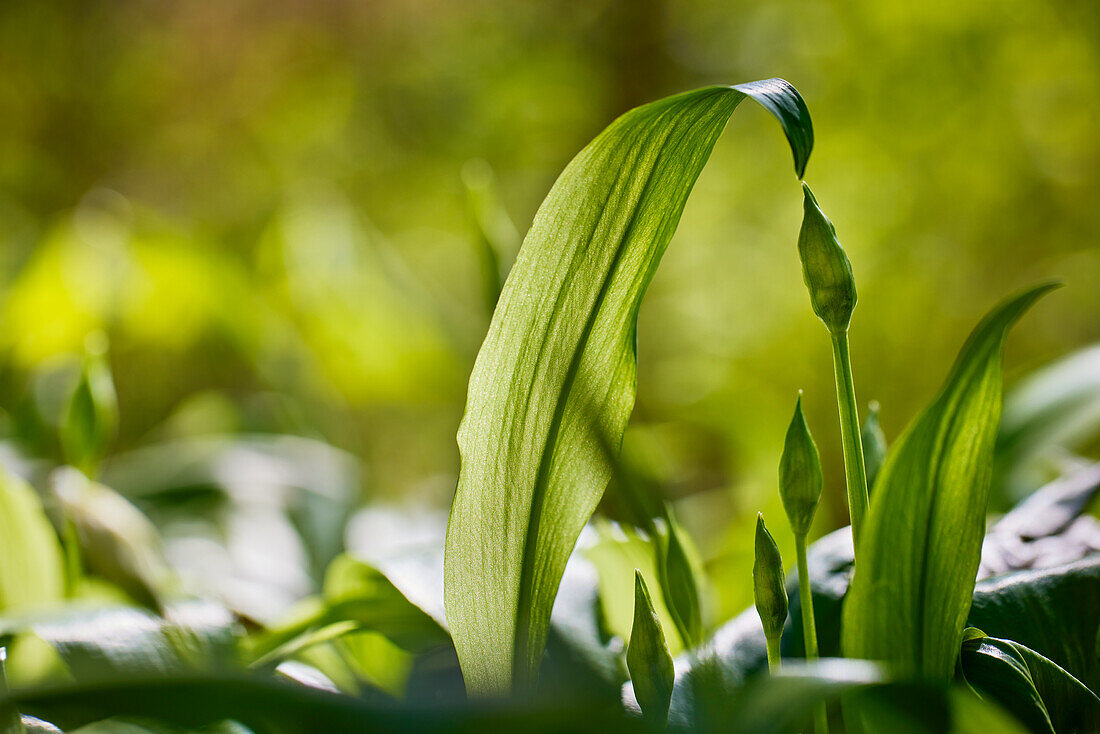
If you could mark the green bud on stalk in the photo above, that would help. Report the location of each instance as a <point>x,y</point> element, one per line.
<point>648,659</point>
<point>769,590</point>
<point>825,267</point>
<point>800,477</point>
<point>874,443</point>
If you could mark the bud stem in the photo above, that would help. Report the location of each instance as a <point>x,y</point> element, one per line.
<point>854,471</point>
<point>809,626</point>
<point>773,654</point>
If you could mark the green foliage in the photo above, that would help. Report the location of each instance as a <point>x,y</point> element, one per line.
<point>91,417</point>
<point>681,583</point>
<point>916,565</point>
<point>873,440</point>
<point>1042,695</point>
<point>31,565</point>
<point>800,476</point>
<point>648,659</point>
<point>558,366</point>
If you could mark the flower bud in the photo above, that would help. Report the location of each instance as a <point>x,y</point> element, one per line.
<point>800,476</point>
<point>825,267</point>
<point>767,582</point>
<point>874,443</point>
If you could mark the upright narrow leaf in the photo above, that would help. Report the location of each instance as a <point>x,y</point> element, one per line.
<point>648,658</point>
<point>556,373</point>
<point>919,554</point>
<point>681,585</point>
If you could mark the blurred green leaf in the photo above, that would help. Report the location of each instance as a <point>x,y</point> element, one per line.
<point>100,642</point>
<point>681,581</point>
<point>918,560</point>
<point>268,705</point>
<point>91,417</point>
<point>874,443</point>
<point>116,540</point>
<point>32,568</point>
<point>1056,407</point>
<point>558,365</point>
<point>648,659</point>
<point>1036,690</point>
<point>1051,527</point>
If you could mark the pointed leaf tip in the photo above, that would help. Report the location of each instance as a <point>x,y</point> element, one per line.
<point>779,97</point>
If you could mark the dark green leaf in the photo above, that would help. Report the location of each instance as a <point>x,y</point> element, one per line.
<point>558,366</point>
<point>648,659</point>
<point>267,705</point>
<point>919,556</point>
<point>1036,690</point>
<point>1052,612</point>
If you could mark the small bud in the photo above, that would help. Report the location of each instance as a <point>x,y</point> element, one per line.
<point>874,443</point>
<point>800,476</point>
<point>648,659</point>
<point>825,267</point>
<point>767,582</point>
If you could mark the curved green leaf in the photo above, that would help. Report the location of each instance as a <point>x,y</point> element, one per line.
<point>31,565</point>
<point>922,542</point>
<point>1037,691</point>
<point>1052,612</point>
<point>556,373</point>
<point>99,642</point>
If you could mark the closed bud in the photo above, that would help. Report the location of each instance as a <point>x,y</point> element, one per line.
<point>874,443</point>
<point>825,267</point>
<point>767,582</point>
<point>800,476</point>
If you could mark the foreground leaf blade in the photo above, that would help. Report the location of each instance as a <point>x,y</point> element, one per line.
<point>556,373</point>
<point>919,556</point>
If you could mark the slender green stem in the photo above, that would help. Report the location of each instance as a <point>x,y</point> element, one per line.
<point>854,471</point>
<point>773,654</point>
<point>809,626</point>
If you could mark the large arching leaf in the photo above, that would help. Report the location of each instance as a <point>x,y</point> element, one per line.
<point>555,375</point>
<point>916,567</point>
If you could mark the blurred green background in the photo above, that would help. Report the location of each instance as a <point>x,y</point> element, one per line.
<point>278,213</point>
